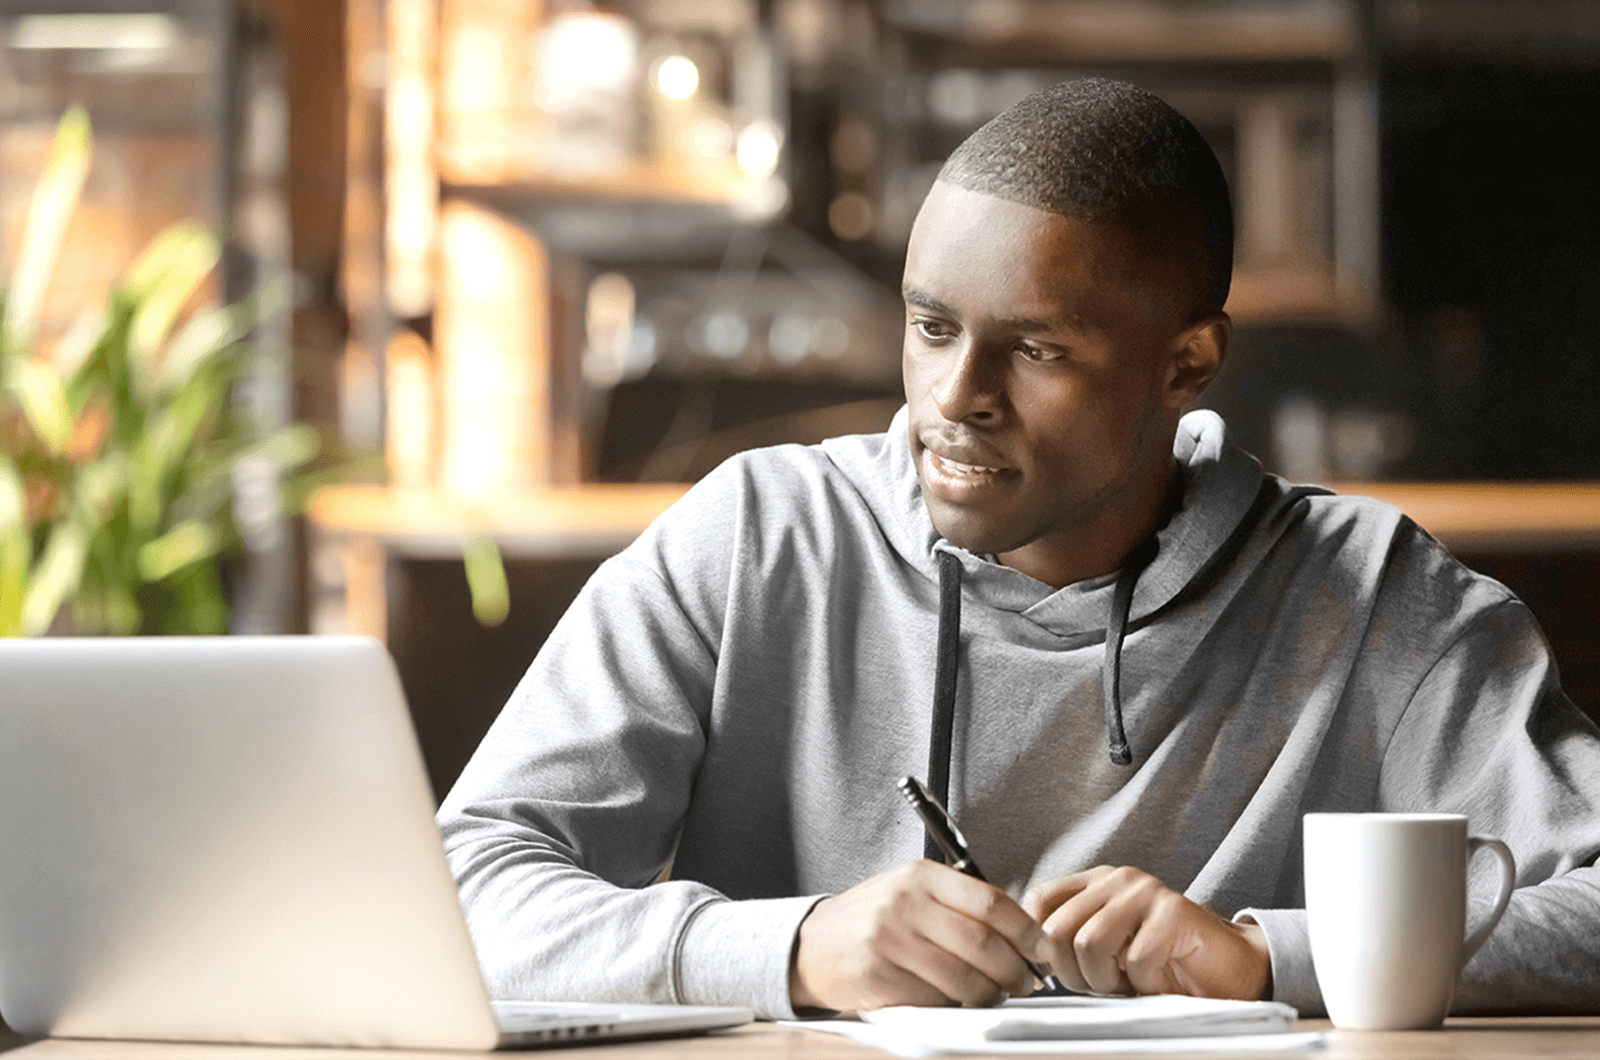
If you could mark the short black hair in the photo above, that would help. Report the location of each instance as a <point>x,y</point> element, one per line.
<point>1104,150</point>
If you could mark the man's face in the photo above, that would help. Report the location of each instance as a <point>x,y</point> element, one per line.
<point>1037,369</point>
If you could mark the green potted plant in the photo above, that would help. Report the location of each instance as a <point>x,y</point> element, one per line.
<point>120,440</point>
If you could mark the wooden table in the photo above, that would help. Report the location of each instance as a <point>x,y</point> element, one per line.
<point>1472,1038</point>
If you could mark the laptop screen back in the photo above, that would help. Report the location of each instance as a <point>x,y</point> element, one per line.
<point>224,839</point>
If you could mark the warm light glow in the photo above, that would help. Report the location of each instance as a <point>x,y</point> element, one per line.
<point>581,52</point>
<point>491,334</point>
<point>713,138</point>
<point>608,326</point>
<point>760,200</point>
<point>724,335</point>
<point>411,185</point>
<point>475,69</point>
<point>789,338</point>
<point>111,32</point>
<point>676,76</point>
<point>758,147</point>
<point>410,407</point>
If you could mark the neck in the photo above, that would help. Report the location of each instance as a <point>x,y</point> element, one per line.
<point>1101,543</point>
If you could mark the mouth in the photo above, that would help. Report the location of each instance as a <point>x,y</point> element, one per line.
<point>956,467</point>
<point>960,480</point>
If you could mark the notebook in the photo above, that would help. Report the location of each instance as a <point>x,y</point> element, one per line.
<point>231,839</point>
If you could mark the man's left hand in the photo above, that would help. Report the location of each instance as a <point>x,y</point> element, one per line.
<point>1128,933</point>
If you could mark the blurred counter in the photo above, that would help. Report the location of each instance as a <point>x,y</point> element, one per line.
<point>356,530</point>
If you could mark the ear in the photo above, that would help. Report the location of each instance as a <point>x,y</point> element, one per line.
<point>1196,358</point>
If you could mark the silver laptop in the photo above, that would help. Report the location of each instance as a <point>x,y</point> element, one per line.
<point>231,839</point>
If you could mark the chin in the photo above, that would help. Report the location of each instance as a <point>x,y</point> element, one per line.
<point>973,532</point>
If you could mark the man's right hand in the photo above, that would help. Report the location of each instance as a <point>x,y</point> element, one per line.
<point>919,934</point>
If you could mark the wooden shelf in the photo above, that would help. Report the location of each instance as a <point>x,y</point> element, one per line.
<point>1496,517</point>
<point>600,518</point>
<point>1303,293</point>
<point>550,521</point>
<point>633,180</point>
<point>1163,31</point>
<point>355,530</point>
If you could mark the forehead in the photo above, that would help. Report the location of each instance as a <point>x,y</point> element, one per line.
<point>988,256</point>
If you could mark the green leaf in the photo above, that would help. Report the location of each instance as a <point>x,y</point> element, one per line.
<point>486,580</point>
<point>196,343</point>
<point>72,352</point>
<point>105,600</point>
<point>290,447</point>
<point>207,488</point>
<point>43,399</point>
<point>188,542</point>
<point>177,450</point>
<point>16,549</point>
<point>56,577</point>
<point>162,280</point>
<point>99,488</point>
<point>13,499</point>
<point>55,199</point>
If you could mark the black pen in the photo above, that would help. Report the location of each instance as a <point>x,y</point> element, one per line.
<point>954,846</point>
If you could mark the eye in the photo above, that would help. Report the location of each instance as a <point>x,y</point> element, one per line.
<point>932,330</point>
<point>1039,354</point>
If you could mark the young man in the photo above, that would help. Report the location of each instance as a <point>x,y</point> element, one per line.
<point>1151,660</point>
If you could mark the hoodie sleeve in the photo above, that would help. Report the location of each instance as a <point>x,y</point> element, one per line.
<point>573,803</point>
<point>1488,733</point>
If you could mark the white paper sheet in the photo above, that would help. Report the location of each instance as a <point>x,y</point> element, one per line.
<point>1081,1025</point>
<point>900,1045</point>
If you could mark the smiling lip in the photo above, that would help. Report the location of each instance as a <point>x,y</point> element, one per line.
<point>956,467</point>
<point>959,480</point>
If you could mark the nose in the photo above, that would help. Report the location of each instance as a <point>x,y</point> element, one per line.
<point>968,387</point>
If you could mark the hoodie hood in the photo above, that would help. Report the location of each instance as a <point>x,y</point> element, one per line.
<point>1220,485</point>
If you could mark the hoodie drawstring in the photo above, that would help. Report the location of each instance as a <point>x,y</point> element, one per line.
<point>946,665</point>
<point>1116,628</point>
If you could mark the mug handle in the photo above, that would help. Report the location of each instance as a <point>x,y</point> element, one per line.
<point>1508,879</point>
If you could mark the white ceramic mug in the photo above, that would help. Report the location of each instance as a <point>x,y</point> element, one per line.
<point>1386,902</point>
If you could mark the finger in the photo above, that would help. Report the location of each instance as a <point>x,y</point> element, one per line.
<point>1098,947</point>
<point>1045,898</point>
<point>1096,924</point>
<point>1148,961</point>
<point>1063,925</point>
<point>990,906</point>
<point>978,965</point>
<point>962,958</point>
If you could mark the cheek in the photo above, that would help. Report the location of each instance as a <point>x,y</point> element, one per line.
<point>908,365</point>
<point>1082,425</point>
<point>919,372</point>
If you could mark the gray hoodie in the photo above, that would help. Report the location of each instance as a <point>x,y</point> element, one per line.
<point>735,694</point>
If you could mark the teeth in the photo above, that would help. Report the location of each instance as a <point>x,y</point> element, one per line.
<point>965,469</point>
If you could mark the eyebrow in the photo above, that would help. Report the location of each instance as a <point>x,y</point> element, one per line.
<point>1024,325</point>
<point>924,300</point>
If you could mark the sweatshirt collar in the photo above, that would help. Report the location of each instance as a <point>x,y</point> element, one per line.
<point>1220,484</point>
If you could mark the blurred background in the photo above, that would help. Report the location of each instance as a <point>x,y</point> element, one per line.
<point>528,266</point>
